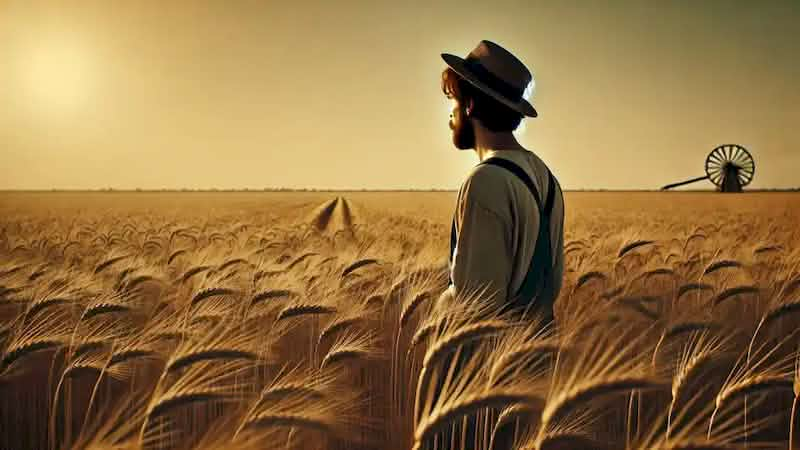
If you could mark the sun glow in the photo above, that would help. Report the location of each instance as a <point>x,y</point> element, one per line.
<point>528,92</point>
<point>55,76</point>
<point>520,131</point>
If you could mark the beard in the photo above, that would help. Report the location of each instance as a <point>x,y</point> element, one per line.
<point>464,135</point>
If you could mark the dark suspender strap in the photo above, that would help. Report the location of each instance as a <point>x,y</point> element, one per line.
<point>452,239</point>
<point>551,194</point>
<point>540,266</point>
<point>541,261</point>
<point>517,170</point>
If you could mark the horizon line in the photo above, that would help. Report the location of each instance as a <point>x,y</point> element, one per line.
<point>311,190</point>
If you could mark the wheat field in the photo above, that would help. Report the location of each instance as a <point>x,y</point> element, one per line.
<point>315,321</point>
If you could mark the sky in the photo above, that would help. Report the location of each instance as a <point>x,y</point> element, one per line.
<point>345,94</point>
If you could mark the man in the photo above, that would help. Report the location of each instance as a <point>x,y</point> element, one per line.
<point>508,227</point>
<point>507,233</point>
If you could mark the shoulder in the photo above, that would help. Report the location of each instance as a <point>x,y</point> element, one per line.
<point>486,175</point>
<point>487,186</point>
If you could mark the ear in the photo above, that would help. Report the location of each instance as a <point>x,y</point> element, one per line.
<point>470,107</point>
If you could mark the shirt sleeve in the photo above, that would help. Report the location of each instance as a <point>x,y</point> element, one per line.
<point>482,259</point>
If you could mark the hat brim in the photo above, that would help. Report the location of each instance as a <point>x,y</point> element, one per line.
<point>458,64</point>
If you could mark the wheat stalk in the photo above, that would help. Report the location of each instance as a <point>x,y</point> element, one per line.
<point>459,336</point>
<point>193,271</point>
<point>46,330</point>
<point>337,325</point>
<point>752,376</point>
<point>722,264</point>
<point>174,255</point>
<point>689,287</point>
<point>631,246</point>
<point>108,263</point>
<point>351,346</point>
<point>357,265</point>
<point>588,276</point>
<point>210,292</point>
<point>226,342</point>
<point>200,383</point>
<point>302,309</point>
<point>272,294</point>
<point>680,328</point>
<point>300,259</point>
<point>306,400</point>
<point>410,307</point>
<point>614,366</point>
<point>733,292</point>
<point>446,413</point>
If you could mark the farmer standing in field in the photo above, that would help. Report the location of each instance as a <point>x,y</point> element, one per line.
<point>508,228</point>
<point>507,235</point>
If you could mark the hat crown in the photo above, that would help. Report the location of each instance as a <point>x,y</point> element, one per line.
<point>502,64</point>
<point>496,72</point>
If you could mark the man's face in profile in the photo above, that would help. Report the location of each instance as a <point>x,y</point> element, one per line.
<point>463,132</point>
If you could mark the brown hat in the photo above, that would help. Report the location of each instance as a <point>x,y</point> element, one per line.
<point>496,72</point>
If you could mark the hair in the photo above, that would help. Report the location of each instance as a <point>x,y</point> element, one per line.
<point>492,114</point>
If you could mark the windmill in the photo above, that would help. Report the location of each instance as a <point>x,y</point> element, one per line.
<point>730,167</point>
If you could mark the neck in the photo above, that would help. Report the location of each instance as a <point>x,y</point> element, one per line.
<point>487,141</point>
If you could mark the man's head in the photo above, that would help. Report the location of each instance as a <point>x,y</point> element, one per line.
<point>471,103</point>
<point>489,89</point>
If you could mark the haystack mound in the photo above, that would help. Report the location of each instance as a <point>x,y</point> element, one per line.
<point>334,216</point>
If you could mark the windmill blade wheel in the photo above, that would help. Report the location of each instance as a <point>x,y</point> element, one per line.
<point>730,160</point>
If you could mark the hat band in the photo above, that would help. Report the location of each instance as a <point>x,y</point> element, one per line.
<point>488,78</point>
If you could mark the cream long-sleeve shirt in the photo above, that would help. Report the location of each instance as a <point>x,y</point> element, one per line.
<point>497,223</point>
